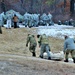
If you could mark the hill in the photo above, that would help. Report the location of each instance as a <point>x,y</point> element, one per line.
<point>13,41</point>
<point>15,58</point>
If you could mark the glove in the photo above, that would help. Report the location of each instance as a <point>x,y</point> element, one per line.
<point>26,45</point>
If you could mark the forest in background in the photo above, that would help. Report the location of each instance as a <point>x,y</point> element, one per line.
<point>56,7</point>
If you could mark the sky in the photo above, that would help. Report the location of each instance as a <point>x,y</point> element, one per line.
<point>57,31</point>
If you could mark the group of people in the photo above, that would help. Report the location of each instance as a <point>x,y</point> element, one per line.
<point>34,20</point>
<point>69,46</point>
<point>43,43</point>
<point>67,22</point>
<point>10,20</point>
<point>9,23</point>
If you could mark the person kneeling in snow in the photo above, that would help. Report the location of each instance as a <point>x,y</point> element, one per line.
<point>44,44</point>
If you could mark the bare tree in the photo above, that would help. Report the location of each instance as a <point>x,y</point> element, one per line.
<point>64,3</point>
<point>3,5</point>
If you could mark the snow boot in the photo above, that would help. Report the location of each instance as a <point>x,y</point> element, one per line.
<point>74,60</point>
<point>66,60</point>
<point>49,58</point>
<point>33,54</point>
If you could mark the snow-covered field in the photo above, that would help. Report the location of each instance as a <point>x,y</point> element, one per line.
<point>57,31</point>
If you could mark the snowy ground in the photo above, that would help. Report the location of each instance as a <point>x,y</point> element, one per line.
<point>57,31</point>
<point>15,58</point>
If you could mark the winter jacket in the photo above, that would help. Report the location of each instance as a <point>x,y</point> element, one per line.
<point>31,39</point>
<point>43,39</point>
<point>15,19</point>
<point>69,44</point>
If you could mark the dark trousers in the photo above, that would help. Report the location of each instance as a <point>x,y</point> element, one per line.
<point>15,24</point>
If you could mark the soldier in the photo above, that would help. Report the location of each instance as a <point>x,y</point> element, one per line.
<point>33,44</point>
<point>49,17</point>
<point>44,18</point>
<point>59,22</point>
<point>69,47</point>
<point>66,23</point>
<point>71,22</point>
<point>26,19</point>
<point>43,42</point>
<point>9,21</point>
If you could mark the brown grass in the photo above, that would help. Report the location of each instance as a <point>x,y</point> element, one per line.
<point>13,41</point>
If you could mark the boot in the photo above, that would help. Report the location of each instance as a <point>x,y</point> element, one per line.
<point>49,58</point>
<point>33,54</point>
<point>41,56</point>
<point>66,60</point>
<point>74,60</point>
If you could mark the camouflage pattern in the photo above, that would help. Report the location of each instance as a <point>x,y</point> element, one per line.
<point>72,52</point>
<point>43,39</point>
<point>32,41</point>
<point>45,48</point>
<point>31,19</point>
<point>43,42</point>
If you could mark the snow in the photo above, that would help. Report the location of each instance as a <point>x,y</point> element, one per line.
<point>58,56</point>
<point>57,31</point>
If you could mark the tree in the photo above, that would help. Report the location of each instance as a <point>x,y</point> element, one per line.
<point>32,3</point>
<point>22,1</point>
<point>72,6</point>
<point>49,2</point>
<point>3,6</point>
<point>64,3</point>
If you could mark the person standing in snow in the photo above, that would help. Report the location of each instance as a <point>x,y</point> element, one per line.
<point>9,21</point>
<point>69,47</point>
<point>71,22</point>
<point>44,44</point>
<point>33,44</point>
<point>15,19</point>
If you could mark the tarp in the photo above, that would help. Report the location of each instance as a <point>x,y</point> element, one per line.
<point>54,56</point>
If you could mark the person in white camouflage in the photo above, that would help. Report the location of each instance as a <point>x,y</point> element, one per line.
<point>0,30</point>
